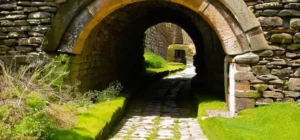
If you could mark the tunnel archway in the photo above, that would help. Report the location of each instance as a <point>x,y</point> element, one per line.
<point>113,50</point>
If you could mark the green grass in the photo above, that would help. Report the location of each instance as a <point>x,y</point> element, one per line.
<point>277,121</point>
<point>153,60</point>
<point>92,121</point>
<point>170,67</point>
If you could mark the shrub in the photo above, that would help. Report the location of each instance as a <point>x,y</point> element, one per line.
<point>4,111</point>
<point>35,101</point>
<point>109,93</point>
<point>37,126</point>
<point>153,60</point>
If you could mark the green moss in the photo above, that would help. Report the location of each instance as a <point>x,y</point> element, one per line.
<point>170,67</point>
<point>93,121</point>
<point>261,87</point>
<point>4,111</point>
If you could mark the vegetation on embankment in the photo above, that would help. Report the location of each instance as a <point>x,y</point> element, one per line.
<point>156,64</point>
<point>276,121</point>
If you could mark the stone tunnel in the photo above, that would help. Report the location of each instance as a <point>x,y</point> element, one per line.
<point>105,41</point>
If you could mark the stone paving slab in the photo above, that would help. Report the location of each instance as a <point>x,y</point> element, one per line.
<point>159,116</point>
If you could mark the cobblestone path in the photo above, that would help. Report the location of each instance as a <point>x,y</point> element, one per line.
<point>164,111</point>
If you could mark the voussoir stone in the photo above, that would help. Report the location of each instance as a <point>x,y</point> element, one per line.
<point>249,58</point>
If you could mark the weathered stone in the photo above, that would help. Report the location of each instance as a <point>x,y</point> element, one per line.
<point>282,38</point>
<point>10,42</point>
<point>272,94</point>
<point>244,103</point>
<point>256,81</point>
<point>269,5</point>
<point>6,23</point>
<point>289,12</point>
<point>243,68</point>
<point>295,23</point>
<point>263,62</point>
<point>46,20</point>
<point>48,8</point>
<point>293,47</point>
<point>267,77</point>
<point>276,82</point>
<point>292,55</point>
<point>247,94</point>
<point>4,48</point>
<point>270,21</point>
<point>30,9</point>
<point>261,87</point>
<point>294,84</point>
<point>249,58</point>
<point>30,41</point>
<point>24,49</point>
<point>269,12</point>
<point>40,29</point>
<point>279,62</point>
<point>35,34</point>
<point>260,70</point>
<point>242,86</point>
<point>40,15</point>
<point>282,72</point>
<point>34,21</point>
<point>264,101</point>
<point>266,53</point>
<point>288,100</point>
<point>292,6</point>
<point>292,94</point>
<point>241,76</point>
<point>294,63</point>
<point>297,73</point>
<point>8,6</point>
<point>60,1</point>
<point>15,16</point>
<point>21,23</point>
<point>16,34</point>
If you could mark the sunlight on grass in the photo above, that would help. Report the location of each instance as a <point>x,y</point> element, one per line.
<point>92,121</point>
<point>277,121</point>
<point>168,68</point>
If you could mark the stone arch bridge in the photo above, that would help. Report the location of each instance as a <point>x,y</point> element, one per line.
<point>105,40</point>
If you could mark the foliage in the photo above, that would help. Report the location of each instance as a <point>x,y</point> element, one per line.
<point>35,101</point>
<point>153,60</point>
<point>37,125</point>
<point>4,111</point>
<point>110,93</point>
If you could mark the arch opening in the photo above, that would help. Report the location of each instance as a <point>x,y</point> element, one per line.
<point>114,48</point>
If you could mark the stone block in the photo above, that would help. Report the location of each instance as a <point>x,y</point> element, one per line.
<point>249,58</point>
<point>282,38</point>
<point>291,94</point>
<point>244,103</point>
<point>270,21</point>
<point>260,70</point>
<point>272,94</point>
<point>264,101</point>
<point>294,84</point>
<point>241,76</point>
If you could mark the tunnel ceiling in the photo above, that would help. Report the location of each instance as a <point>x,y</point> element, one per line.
<point>226,22</point>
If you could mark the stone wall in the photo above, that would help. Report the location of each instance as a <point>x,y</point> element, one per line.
<point>159,37</point>
<point>274,75</point>
<point>23,25</point>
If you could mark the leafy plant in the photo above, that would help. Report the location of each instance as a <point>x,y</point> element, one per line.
<point>109,93</point>
<point>35,101</point>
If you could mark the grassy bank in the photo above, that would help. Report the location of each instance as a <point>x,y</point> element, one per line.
<point>277,121</point>
<point>95,122</point>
